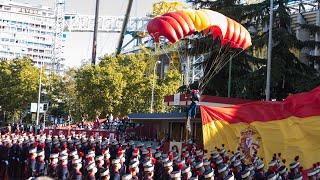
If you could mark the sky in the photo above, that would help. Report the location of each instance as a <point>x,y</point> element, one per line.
<point>78,46</point>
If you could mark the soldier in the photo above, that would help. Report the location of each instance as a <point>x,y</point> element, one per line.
<point>272,177</point>
<point>105,174</point>
<point>63,173</point>
<point>175,175</point>
<point>40,163</point>
<point>237,170</point>
<point>106,158</point>
<point>283,172</point>
<point>246,175</point>
<point>76,173</point>
<point>92,170</point>
<point>186,173</point>
<point>32,163</point>
<point>148,171</point>
<point>127,177</point>
<point>294,170</point>
<point>260,173</point>
<point>312,174</point>
<point>115,174</point>
<point>134,170</point>
<point>222,172</point>
<point>208,175</point>
<point>52,168</point>
<point>100,168</point>
<point>167,170</point>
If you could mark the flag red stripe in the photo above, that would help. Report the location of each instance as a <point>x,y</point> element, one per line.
<point>299,105</point>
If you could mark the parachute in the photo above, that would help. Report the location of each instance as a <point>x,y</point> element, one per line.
<point>186,24</point>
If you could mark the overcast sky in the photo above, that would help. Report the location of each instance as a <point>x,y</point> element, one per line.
<point>78,45</point>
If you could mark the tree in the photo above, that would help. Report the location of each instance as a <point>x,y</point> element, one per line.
<point>19,84</point>
<point>248,70</point>
<point>122,85</point>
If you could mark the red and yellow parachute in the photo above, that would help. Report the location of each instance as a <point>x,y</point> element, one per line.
<point>179,24</point>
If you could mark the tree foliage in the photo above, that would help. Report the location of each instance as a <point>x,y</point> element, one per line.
<point>122,85</point>
<point>289,75</point>
<point>19,82</point>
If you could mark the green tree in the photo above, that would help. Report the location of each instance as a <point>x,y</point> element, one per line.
<point>122,85</point>
<point>289,75</point>
<point>19,82</point>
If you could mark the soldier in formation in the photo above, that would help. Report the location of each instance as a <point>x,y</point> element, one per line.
<point>77,157</point>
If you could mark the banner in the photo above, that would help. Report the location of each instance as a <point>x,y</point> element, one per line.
<point>290,127</point>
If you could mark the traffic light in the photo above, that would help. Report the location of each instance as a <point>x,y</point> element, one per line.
<point>45,107</point>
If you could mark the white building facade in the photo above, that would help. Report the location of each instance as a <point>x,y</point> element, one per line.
<point>27,30</point>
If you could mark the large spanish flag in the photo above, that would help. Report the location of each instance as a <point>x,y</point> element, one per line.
<point>290,127</point>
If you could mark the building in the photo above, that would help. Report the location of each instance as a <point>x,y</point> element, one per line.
<point>28,30</point>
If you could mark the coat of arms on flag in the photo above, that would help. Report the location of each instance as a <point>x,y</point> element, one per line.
<point>247,143</point>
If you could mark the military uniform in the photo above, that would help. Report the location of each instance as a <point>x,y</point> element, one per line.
<point>40,168</point>
<point>63,173</point>
<point>52,170</point>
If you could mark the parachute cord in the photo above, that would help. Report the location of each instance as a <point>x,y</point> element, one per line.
<point>217,70</point>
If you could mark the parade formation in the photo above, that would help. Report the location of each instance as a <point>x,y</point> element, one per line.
<point>78,156</point>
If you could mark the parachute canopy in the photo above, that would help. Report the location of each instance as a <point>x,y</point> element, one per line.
<point>179,24</point>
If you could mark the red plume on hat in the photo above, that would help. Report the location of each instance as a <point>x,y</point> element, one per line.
<point>42,146</point>
<point>170,157</point>
<point>300,169</point>
<point>81,154</point>
<point>199,173</point>
<point>119,153</point>
<point>212,166</point>
<point>232,170</point>
<point>103,151</point>
<point>120,148</point>
<point>149,149</point>
<point>149,155</point>
<point>74,147</point>
<point>189,161</point>
<point>65,145</point>
<point>184,155</point>
<point>154,161</point>
<point>131,169</point>
<point>274,168</point>
<point>284,161</point>
<point>35,144</point>
<point>180,166</point>
<point>59,150</point>
<point>68,151</point>
<point>90,158</point>
<point>100,133</point>
<point>136,151</point>
<point>296,158</point>
<point>94,148</point>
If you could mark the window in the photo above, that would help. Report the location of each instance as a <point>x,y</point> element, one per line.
<point>7,8</point>
<point>19,29</point>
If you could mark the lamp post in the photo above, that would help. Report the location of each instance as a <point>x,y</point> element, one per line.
<point>269,53</point>
<point>39,97</point>
<point>152,92</point>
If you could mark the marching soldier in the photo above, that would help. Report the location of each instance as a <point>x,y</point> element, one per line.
<point>52,168</point>
<point>115,173</point>
<point>40,163</point>
<point>63,173</point>
<point>76,173</point>
<point>92,170</point>
<point>100,168</point>
<point>105,174</point>
<point>32,163</point>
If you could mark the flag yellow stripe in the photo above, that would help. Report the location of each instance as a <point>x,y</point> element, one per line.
<point>291,137</point>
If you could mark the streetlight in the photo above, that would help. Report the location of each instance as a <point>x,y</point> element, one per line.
<point>39,97</point>
<point>269,53</point>
<point>152,93</point>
